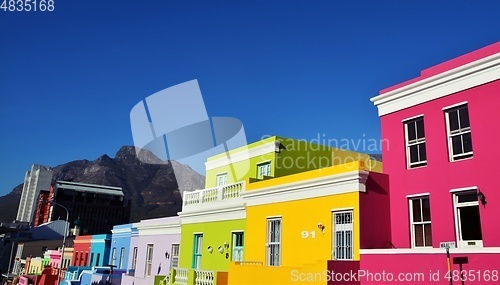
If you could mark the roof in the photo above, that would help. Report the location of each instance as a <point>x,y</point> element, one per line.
<point>449,65</point>
<point>82,187</point>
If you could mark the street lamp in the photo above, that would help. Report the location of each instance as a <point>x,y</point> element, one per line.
<point>65,230</point>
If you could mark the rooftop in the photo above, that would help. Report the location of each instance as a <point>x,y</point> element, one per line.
<point>83,187</point>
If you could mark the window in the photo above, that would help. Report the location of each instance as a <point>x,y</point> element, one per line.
<point>134,258</point>
<point>459,133</point>
<point>263,169</point>
<point>221,179</point>
<point>97,259</point>
<point>415,143</point>
<point>274,241</point>
<point>91,258</point>
<point>468,222</point>
<point>122,257</point>
<point>86,258</point>
<point>342,235</point>
<point>420,218</point>
<point>174,262</point>
<point>198,247</point>
<point>113,256</point>
<point>237,246</point>
<point>149,260</point>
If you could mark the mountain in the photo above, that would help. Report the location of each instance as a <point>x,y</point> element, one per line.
<point>152,187</point>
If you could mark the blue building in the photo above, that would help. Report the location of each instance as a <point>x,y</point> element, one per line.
<point>99,250</point>
<point>120,245</point>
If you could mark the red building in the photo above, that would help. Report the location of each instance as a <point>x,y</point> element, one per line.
<point>81,251</point>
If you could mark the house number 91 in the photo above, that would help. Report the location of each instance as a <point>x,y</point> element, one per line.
<point>306,234</point>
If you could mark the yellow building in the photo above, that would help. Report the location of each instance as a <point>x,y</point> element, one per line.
<point>298,227</point>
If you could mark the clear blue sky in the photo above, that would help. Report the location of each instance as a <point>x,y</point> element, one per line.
<point>69,78</point>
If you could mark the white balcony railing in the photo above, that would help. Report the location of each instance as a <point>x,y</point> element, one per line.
<point>180,276</point>
<point>210,195</point>
<point>204,277</point>
<point>71,275</point>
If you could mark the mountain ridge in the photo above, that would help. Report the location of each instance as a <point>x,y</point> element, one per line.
<point>152,187</point>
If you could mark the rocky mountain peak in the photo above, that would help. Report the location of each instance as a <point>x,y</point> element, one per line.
<point>149,183</point>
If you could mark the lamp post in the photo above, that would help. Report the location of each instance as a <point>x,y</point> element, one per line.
<point>65,231</point>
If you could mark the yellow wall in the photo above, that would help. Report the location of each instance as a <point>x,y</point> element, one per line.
<point>299,216</point>
<point>313,274</point>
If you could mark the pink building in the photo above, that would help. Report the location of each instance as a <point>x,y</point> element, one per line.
<point>441,160</point>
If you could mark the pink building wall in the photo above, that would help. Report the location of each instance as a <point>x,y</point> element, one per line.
<point>440,175</point>
<point>425,269</point>
<point>375,229</point>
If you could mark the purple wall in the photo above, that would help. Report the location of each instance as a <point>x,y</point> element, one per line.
<point>162,243</point>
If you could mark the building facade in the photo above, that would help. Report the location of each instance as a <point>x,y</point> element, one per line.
<point>120,246</point>
<point>440,126</point>
<point>95,208</point>
<point>154,251</point>
<point>37,179</point>
<point>301,225</point>
<point>214,219</point>
<point>81,251</point>
<point>100,246</point>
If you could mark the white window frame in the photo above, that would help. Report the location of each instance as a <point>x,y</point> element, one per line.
<point>422,222</point>
<point>134,257</point>
<point>149,260</point>
<point>343,228</point>
<point>122,257</point>
<point>459,132</point>
<point>237,251</point>
<point>221,179</point>
<point>417,141</point>
<point>113,256</point>
<point>174,255</point>
<point>274,243</point>
<point>456,205</point>
<point>263,169</point>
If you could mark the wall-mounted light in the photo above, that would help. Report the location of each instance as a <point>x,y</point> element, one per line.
<point>220,249</point>
<point>167,255</point>
<point>321,227</point>
<point>481,198</point>
<point>210,249</point>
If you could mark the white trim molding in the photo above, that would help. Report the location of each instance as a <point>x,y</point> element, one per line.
<point>457,79</point>
<point>454,105</point>
<point>241,155</point>
<point>213,215</point>
<point>348,182</point>
<point>418,195</point>
<point>342,209</point>
<point>412,118</point>
<point>159,229</point>
<point>470,188</point>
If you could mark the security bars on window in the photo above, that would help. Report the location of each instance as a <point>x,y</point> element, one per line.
<point>273,241</point>
<point>343,235</point>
